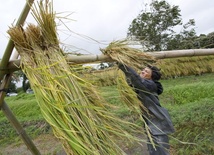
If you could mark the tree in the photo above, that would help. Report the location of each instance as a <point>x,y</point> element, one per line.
<point>20,76</point>
<point>25,83</point>
<point>186,39</point>
<point>14,79</point>
<point>154,28</point>
<point>12,87</point>
<point>205,41</point>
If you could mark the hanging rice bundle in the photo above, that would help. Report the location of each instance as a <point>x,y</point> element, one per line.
<point>135,58</point>
<point>122,53</point>
<point>185,66</point>
<point>77,113</point>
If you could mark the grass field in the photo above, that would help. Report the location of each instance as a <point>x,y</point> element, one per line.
<point>190,101</point>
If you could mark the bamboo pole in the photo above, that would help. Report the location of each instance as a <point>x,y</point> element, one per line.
<point>74,59</point>
<point>182,53</point>
<point>6,80</point>
<point>157,55</point>
<point>8,113</point>
<point>13,65</point>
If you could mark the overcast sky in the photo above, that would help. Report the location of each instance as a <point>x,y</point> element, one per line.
<point>98,22</point>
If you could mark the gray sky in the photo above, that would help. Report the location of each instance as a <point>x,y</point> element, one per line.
<point>98,22</point>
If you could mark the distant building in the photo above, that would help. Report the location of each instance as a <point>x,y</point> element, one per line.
<point>97,66</point>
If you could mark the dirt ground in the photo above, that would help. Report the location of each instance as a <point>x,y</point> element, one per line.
<point>49,145</point>
<point>46,144</point>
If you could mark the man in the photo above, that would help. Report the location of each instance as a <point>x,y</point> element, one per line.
<point>148,87</point>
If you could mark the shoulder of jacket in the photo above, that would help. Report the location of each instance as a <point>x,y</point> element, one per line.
<point>150,85</point>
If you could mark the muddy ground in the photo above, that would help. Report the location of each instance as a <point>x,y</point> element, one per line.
<point>49,145</point>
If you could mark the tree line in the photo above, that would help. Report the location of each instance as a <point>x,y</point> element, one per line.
<point>155,29</point>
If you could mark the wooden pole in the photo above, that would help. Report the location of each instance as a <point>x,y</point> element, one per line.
<point>157,55</point>
<point>8,113</point>
<point>182,53</point>
<point>13,65</point>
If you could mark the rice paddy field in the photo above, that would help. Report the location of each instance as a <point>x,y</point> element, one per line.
<point>77,112</point>
<point>189,99</point>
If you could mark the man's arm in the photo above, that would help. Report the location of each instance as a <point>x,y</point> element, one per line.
<point>137,82</point>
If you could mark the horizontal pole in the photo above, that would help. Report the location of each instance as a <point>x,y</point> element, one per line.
<point>157,55</point>
<point>75,59</point>
<point>14,65</point>
<point>181,53</point>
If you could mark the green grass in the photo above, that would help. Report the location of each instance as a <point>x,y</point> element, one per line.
<point>190,101</point>
<point>194,123</point>
<point>25,107</point>
<point>187,89</point>
<point>27,112</point>
<point>186,93</point>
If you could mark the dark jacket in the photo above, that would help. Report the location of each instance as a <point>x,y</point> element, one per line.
<point>158,120</point>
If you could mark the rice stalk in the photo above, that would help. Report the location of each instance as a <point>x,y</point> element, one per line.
<point>135,58</point>
<point>45,18</point>
<point>77,113</point>
<point>186,66</point>
<point>122,53</point>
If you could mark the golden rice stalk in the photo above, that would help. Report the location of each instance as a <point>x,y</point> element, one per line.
<point>20,39</point>
<point>135,58</point>
<point>34,35</point>
<point>45,18</point>
<point>78,115</point>
<point>122,53</point>
<point>186,66</point>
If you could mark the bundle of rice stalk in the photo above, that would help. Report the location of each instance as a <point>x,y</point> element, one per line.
<point>135,58</point>
<point>77,113</point>
<point>124,54</point>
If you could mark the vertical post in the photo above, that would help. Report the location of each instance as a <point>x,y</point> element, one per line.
<point>8,113</point>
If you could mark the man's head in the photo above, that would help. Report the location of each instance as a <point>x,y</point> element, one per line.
<point>151,73</point>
